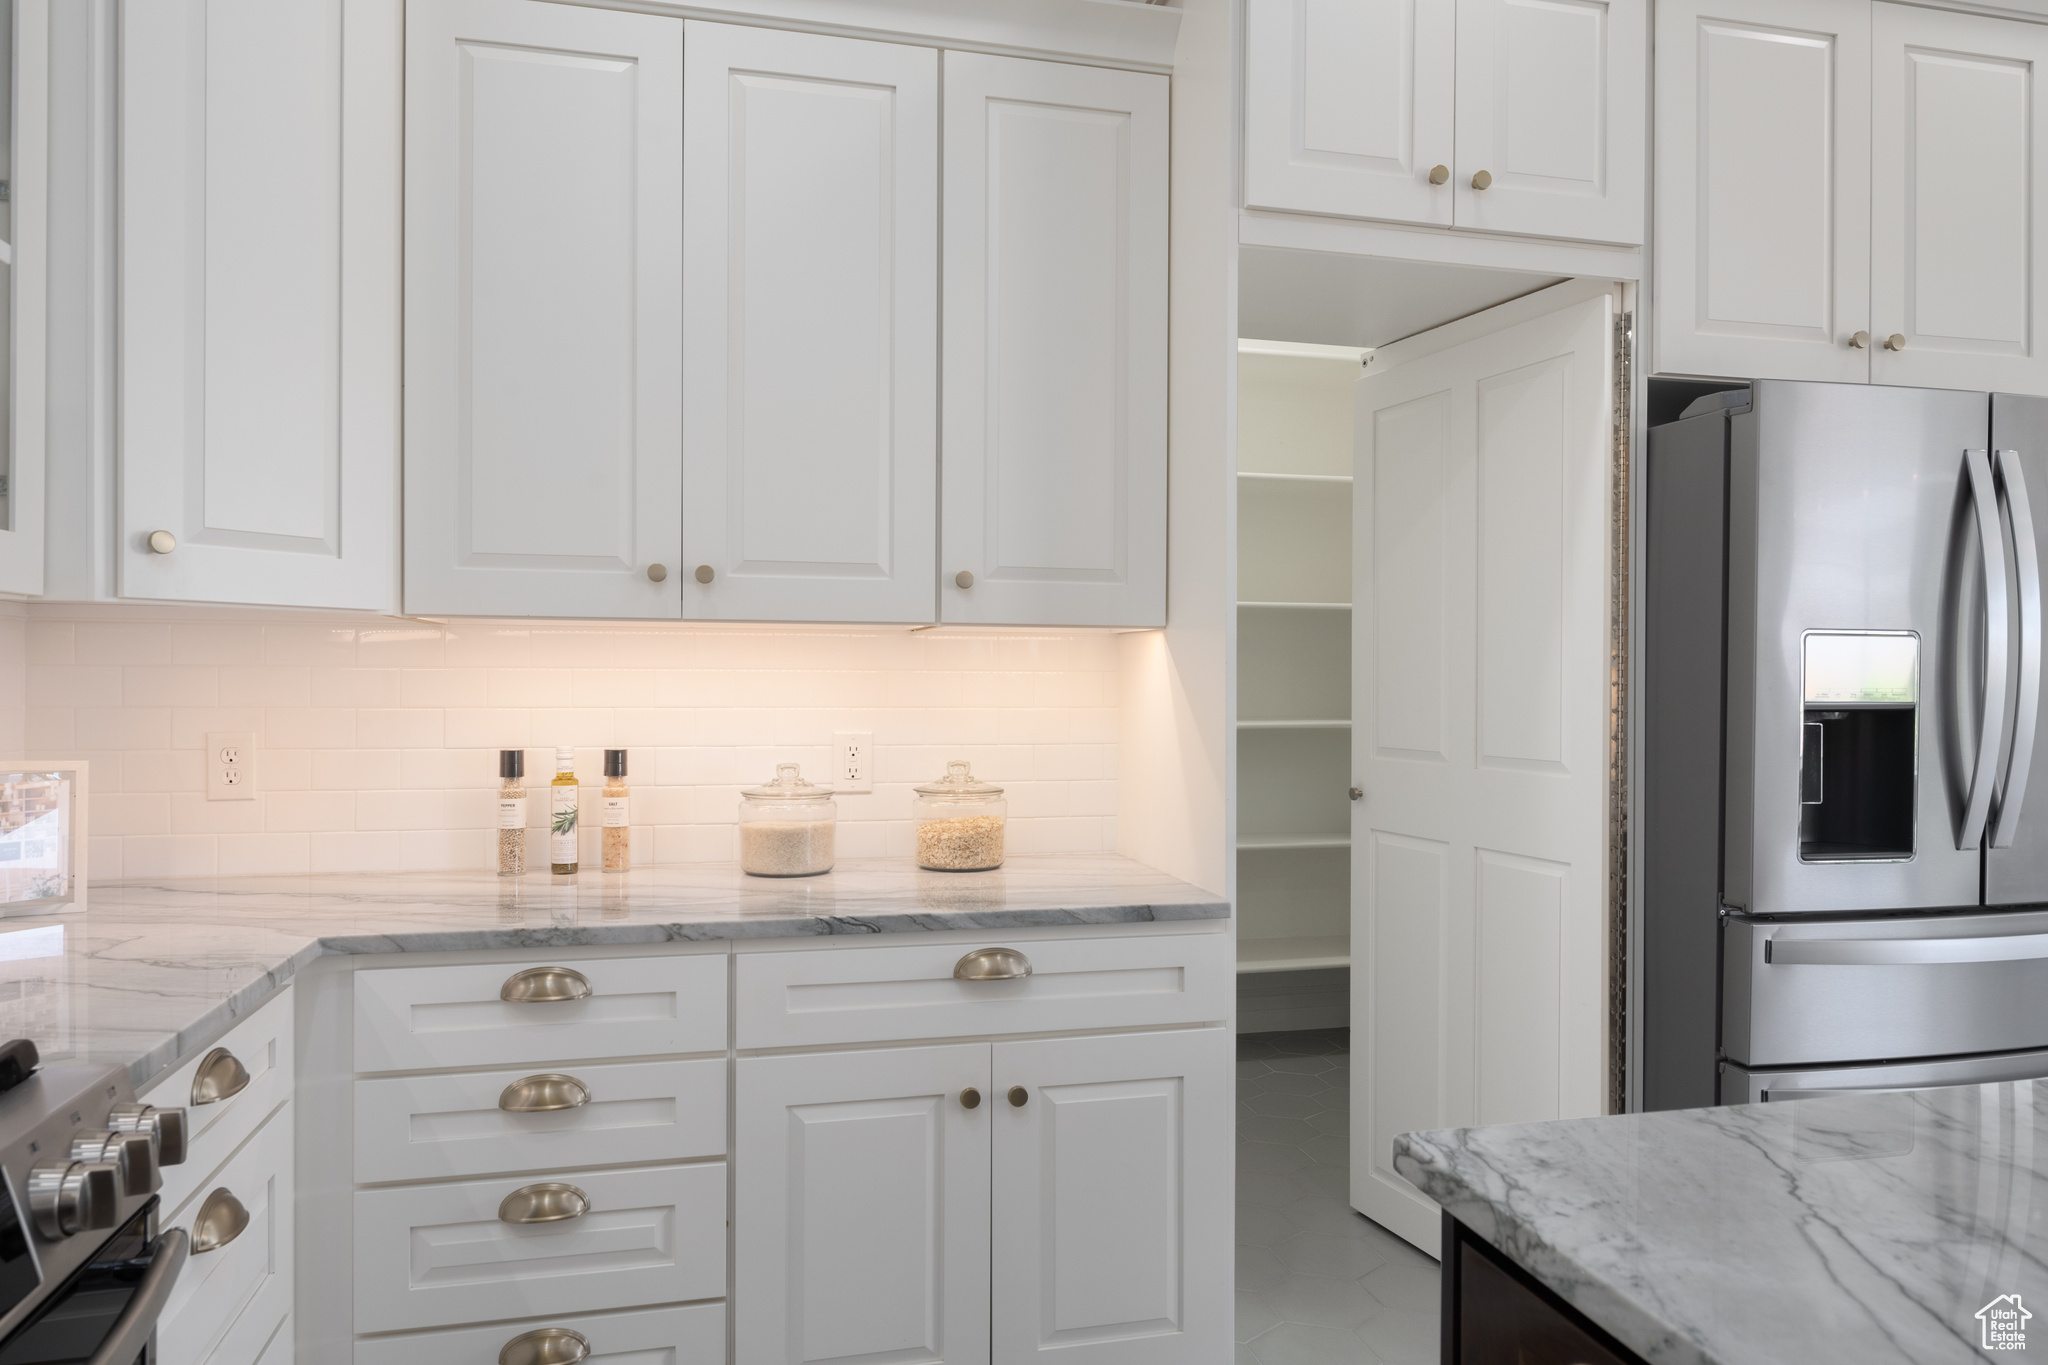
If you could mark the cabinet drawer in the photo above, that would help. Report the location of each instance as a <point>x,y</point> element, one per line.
<point>262,1043</point>
<point>414,1018</point>
<point>856,995</point>
<point>439,1253</point>
<point>430,1127</point>
<point>669,1336</point>
<point>228,1301</point>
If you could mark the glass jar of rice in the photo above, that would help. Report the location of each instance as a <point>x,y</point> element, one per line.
<point>959,822</point>
<point>787,826</point>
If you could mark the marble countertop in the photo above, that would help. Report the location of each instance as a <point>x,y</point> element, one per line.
<point>1866,1229</point>
<point>154,970</point>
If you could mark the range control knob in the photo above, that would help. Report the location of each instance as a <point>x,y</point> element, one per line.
<point>132,1154</point>
<point>165,1129</point>
<point>70,1196</point>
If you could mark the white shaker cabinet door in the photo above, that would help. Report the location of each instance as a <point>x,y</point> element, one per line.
<point>1111,1208</point>
<point>259,174</point>
<point>1055,364</point>
<point>1763,188</point>
<point>861,1207</point>
<point>810,327</point>
<point>543,417</point>
<point>1959,143</point>
<point>1552,107</point>
<point>1349,106</point>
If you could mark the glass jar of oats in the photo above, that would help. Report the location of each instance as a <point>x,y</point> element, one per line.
<point>787,826</point>
<point>959,822</point>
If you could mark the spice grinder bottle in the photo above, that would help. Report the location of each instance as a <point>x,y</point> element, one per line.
<point>618,834</point>
<point>511,812</point>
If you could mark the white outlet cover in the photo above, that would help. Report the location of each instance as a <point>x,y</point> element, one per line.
<point>853,757</point>
<point>230,763</point>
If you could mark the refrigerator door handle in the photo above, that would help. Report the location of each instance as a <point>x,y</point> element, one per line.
<point>1903,952</point>
<point>1990,731</point>
<point>2012,480</point>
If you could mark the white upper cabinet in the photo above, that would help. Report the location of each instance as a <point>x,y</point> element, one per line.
<point>1959,147</point>
<point>24,249</point>
<point>259,328</point>
<point>1508,116</point>
<point>1763,188</point>
<point>544,244</point>
<point>810,327</point>
<point>1055,352</point>
<point>1551,111</point>
<point>1348,107</point>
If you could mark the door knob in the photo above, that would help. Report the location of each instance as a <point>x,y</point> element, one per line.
<point>551,1201</point>
<point>1482,179</point>
<point>1439,174</point>
<point>545,986</point>
<point>657,573</point>
<point>1859,341</point>
<point>705,573</point>
<point>162,542</point>
<point>220,1077</point>
<point>970,1098</point>
<point>546,1346</point>
<point>1019,1096</point>
<point>1895,342</point>
<point>544,1094</point>
<point>963,579</point>
<point>221,1220</point>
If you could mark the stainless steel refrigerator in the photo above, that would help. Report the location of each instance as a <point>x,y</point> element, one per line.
<point>1844,878</point>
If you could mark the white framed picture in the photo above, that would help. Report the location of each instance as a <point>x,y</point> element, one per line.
<point>42,835</point>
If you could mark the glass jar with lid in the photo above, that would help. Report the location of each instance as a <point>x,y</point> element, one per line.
<point>787,826</point>
<point>959,822</point>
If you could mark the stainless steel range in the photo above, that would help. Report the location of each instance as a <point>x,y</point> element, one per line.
<point>83,1271</point>
<point>1845,823</point>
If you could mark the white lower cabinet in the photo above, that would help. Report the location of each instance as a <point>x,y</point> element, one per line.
<point>985,1201</point>
<point>232,1297</point>
<point>692,1335</point>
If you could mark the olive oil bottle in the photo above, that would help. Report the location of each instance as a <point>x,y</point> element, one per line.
<point>562,811</point>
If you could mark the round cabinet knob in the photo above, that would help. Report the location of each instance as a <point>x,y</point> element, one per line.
<point>548,1202</point>
<point>1358,793</point>
<point>221,1220</point>
<point>544,1094</point>
<point>657,573</point>
<point>219,1077</point>
<point>1895,342</point>
<point>162,542</point>
<point>1859,341</point>
<point>1439,175</point>
<point>546,1346</point>
<point>705,573</point>
<point>545,986</point>
<point>963,579</point>
<point>970,1098</point>
<point>1019,1096</point>
<point>1482,180</point>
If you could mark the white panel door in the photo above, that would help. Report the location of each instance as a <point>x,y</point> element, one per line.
<point>1479,667</point>
<point>1113,1159</point>
<point>228,1300</point>
<point>861,1207</point>
<point>810,329</point>
<point>1763,188</point>
<point>1348,107</point>
<point>1055,365</point>
<point>543,318</point>
<point>1552,106</point>
<point>1958,148</point>
<point>259,301</point>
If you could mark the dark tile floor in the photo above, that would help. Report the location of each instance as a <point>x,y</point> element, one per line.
<point>1317,1283</point>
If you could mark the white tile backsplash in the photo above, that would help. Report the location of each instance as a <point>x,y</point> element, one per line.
<point>377,738</point>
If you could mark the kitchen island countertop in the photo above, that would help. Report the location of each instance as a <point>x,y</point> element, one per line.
<point>1864,1228</point>
<point>153,970</point>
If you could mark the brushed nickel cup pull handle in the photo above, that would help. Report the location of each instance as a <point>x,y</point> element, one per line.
<point>1019,1096</point>
<point>1439,175</point>
<point>545,985</point>
<point>1859,341</point>
<point>657,573</point>
<point>546,1346</point>
<point>220,1077</point>
<point>970,1098</point>
<point>162,542</point>
<point>705,573</point>
<point>551,1201</point>
<point>544,1094</point>
<point>221,1220</point>
<point>1482,180</point>
<point>992,964</point>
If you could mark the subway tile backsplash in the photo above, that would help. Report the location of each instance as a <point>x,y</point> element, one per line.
<point>377,738</point>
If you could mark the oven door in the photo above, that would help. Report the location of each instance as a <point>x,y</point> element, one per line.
<point>106,1313</point>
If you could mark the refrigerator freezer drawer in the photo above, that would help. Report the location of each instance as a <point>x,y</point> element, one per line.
<point>1740,1085</point>
<point>1806,993</point>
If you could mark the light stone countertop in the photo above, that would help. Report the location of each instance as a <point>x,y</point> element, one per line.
<point>154,970</point>
<point>1868,1229</point>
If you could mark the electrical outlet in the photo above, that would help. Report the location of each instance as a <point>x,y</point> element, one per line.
<point>231,765</point>
<point>852,753</point>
